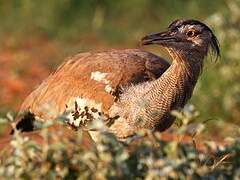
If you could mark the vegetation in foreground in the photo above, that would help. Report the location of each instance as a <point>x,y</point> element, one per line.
<point>149,158</point>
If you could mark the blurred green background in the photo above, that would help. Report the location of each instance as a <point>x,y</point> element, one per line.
<point>37,35</point>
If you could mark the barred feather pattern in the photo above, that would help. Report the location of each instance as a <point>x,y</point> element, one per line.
<point>149,105</point>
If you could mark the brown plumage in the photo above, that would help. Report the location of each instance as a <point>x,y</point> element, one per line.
<point>130,89</point>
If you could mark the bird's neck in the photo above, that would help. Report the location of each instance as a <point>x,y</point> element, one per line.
<point>173,89</point>
<point>186,67</point>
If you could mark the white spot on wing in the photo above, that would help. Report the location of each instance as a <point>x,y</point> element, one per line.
<point>108,88</point>
<point>101,77</point>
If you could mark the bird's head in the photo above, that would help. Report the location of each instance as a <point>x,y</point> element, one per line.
<point>186,35</point>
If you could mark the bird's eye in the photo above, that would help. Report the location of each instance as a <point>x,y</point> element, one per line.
<point>191,33</point>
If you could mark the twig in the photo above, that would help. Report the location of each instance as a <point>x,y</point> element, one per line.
<point>220,161</point>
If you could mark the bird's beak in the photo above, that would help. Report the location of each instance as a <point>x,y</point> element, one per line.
<point>158,38</point>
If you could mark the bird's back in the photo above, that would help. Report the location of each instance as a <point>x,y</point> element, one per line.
<point>95,77</point>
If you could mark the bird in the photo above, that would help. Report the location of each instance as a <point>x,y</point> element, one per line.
<point>129,89</point>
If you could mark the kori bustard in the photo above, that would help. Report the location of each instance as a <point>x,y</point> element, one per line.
<point>129,89</point>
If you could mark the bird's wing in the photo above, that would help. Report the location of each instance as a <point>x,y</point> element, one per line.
<point>95,77</point>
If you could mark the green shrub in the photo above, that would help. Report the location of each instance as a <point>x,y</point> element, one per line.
<point>150,158</point>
